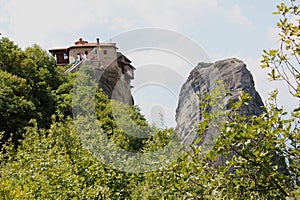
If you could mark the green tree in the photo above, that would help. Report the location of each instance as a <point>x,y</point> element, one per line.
<point>11,56</point>
<point>45,78</point>
<point>52,164</point>
<point>284,62</point>
<point>32,88</point>
<point>16,108</point>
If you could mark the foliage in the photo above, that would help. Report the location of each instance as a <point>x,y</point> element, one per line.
<point>15,105</point>
<point>284,65</point>
<point>251,157</point>
<point>51,164</point>
<point>32,87</point>
<point>246,161</point>
<point>284,62</point>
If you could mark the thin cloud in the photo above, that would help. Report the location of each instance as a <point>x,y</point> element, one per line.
<point>235,15</point>
<point>273,35</point>
<point>123,24</point>
<point>35,21</point>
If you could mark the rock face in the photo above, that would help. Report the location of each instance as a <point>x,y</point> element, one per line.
<point>202,79</point>
<point>112,80</point>
<point>114,83</point>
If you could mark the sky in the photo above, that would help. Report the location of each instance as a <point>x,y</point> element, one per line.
<point>222,28</point>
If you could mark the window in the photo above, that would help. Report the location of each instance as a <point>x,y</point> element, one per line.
<point>65,56</point>
<point>104,52</point>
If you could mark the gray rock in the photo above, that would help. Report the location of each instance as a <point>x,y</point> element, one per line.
<point>113,82</point>
<point>201,80</point>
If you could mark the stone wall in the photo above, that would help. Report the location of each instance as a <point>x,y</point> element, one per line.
<point>74,51</point>
<point>95,53</point>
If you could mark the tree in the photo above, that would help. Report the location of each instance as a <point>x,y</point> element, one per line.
<point>250,147</point>
<point>45,78</point>
<point>11,56</point>
<point>16,108</point>
<point>51,164</point>
<point>32,88</point>
<point>284,62</point>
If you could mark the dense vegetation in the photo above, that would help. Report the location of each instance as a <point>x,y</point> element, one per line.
<point>43,157</point>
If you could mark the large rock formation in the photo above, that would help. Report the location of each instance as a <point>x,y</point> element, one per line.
<point>112,79</point>
<point>114,83</point>
<point>202,79</point>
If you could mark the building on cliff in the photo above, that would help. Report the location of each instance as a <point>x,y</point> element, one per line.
<point>114,70</point>
<point>105,53</point>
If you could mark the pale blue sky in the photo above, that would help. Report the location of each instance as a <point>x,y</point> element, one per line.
<point>223,28</point>
<point>234,24</point>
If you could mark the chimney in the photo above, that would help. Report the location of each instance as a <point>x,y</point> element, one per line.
<point>97,40</point>
<point>80,42</point>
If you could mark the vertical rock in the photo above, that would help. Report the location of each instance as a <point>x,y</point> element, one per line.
<point>112,81</point>
<point>202,79</point>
